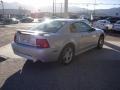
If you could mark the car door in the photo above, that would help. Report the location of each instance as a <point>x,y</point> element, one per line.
<point>102,24</point>
<point>117,26</point>
<point>85,37</point>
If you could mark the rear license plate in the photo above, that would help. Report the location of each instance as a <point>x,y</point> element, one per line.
<point>24,38</point>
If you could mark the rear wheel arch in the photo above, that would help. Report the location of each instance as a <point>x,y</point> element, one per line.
<point>71,45</point>
<point>102,35</point>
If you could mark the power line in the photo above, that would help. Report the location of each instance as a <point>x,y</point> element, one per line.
<point>89,4</point>
<point>93,3</point>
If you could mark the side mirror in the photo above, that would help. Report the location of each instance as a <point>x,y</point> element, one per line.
<point>92,29</point>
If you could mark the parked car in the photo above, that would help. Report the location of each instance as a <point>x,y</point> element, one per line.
<point>15,21</point>
<point>48,18</point>
<point>9,21</point>
<point>113,19</point>
<point>27,20</point>
<point>103,24</point>
<point>116,26</point>
<point>1,21</point>
<point>55,17</point>
<point>43,19</point>
<point>73,17</point>
<point>58,39</point>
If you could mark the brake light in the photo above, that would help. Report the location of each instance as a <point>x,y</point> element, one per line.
<point>42,43</point>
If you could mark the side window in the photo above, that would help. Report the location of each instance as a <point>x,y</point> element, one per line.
<point>79,27</point>
<point>72,28</point>
<point>82,27</point>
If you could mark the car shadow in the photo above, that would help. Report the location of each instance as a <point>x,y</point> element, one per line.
<point>112,46</point>
<point>113,33</point>
<point>92,70</point>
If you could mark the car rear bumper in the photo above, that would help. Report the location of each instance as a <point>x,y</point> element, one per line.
<point>35,54</point>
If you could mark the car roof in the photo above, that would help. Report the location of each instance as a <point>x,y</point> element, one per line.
<point>69,20</point>
<point>102,20</point>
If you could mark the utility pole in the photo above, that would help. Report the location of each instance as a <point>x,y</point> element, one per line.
<point>3,11</point>
<point>87,10</point>
<point>65,8</point>
<point>61,9</point>
<point>2,7</point>
<point>53,8</point>
<point>94,7</point>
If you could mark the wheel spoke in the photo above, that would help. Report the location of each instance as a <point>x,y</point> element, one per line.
<point>68,54</point>
<point>101,42</point>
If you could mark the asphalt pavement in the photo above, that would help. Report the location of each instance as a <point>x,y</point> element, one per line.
<point>92,70</point>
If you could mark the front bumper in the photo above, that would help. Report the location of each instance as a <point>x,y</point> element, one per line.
<point>35,54</point>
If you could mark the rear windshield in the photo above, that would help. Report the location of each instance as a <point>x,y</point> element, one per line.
<point>49,26</point>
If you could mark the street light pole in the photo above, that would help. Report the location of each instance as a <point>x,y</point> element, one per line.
<point>2,7</point>
<point>53,8</point>
<point>66,8</point>
<point>61,9</point>
<point>94,7</point>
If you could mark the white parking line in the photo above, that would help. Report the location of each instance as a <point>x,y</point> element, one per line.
<point>114,43</point>
<point>7,51</point>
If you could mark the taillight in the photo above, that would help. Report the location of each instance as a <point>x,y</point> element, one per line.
<point>42,43</point>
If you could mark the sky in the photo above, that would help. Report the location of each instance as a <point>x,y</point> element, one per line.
<point>41,3</point>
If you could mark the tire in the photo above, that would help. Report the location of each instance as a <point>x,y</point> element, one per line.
<point>66,55</point>
<point>106,29</point>
<point>29,61</point>
<point>100,42</point>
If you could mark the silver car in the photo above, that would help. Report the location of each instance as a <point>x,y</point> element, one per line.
<point>116,26</point>
<point>58,39</point>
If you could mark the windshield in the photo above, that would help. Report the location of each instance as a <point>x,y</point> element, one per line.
<point>102,21</point>
<point>51,26</point>
<point>118,22</point>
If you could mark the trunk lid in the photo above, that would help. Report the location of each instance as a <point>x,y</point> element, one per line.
<point>28,37</point>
